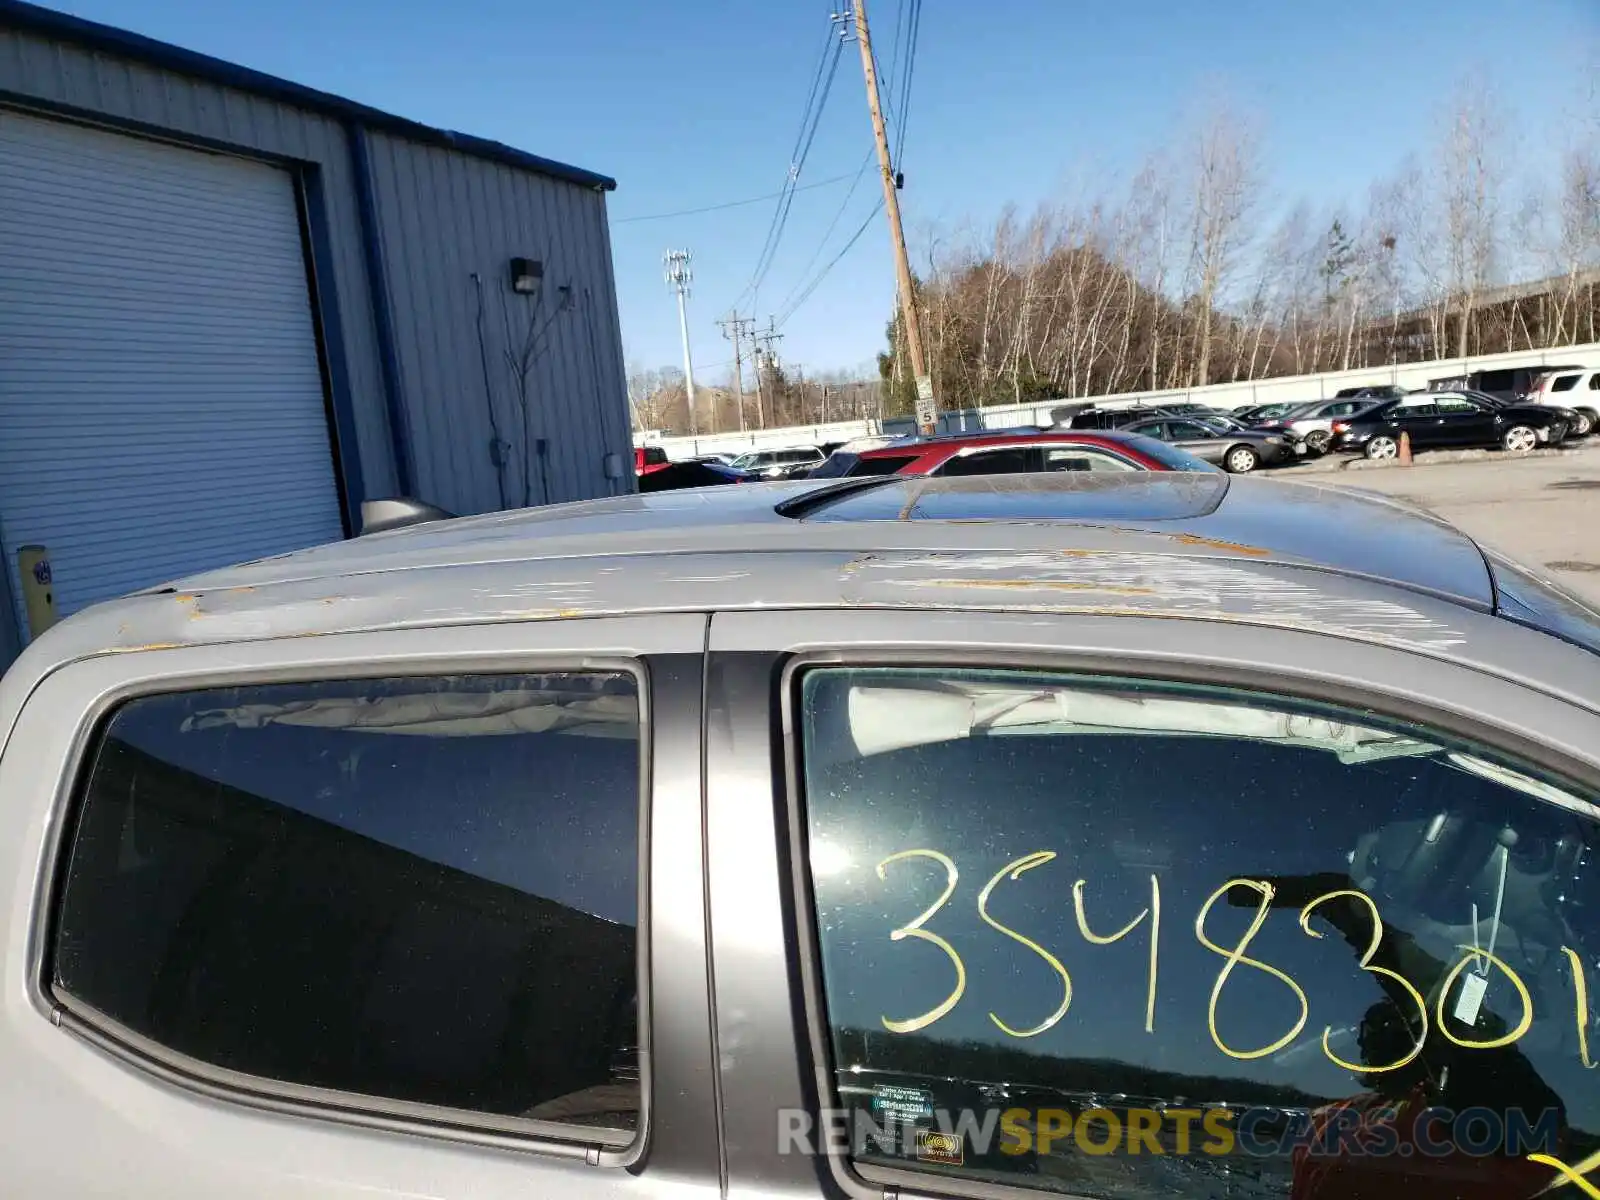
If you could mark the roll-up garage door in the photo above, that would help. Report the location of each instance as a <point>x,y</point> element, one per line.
<point>161,400</point>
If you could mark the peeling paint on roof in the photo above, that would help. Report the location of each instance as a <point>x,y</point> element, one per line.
<point>1148,585</point>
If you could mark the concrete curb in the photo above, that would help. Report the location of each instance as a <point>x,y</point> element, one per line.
<point>1429,458</point>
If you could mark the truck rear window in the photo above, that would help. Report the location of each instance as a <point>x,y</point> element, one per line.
<point>406,890</point>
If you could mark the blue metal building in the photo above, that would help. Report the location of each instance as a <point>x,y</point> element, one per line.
<point>232,308</point>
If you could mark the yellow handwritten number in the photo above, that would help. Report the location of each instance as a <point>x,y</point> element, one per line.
<point>1580,987</point>
<point>1566,1174</point>
<point>1366,965</point>
<point>1154,913</point>
<point>1015,869</point>
<point>1236,956</point>
<point>915,930</point>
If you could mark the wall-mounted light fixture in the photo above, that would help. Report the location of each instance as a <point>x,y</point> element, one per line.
<point>526,275</point>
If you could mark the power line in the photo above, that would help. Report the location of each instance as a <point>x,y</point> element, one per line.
<point>832,225</point>
<point>690,212</point>
<point>903,105</point>
<point>833,262</point>
<point>770,252</point>
<point>810,121</point>
<point>790,178</point>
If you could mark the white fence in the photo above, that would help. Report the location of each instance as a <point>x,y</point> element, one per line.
<point>1223,395</point>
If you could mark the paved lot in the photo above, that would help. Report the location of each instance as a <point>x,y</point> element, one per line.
<point>1541,511</point>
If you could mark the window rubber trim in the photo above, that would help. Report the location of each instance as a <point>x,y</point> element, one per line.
<point>867,1181</point>
<point>596,1146</point>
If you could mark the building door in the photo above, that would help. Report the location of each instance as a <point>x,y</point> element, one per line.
<point>162,408</point>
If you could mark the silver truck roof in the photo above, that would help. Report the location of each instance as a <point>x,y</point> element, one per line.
<point>1189,514</point>
<point>1197,545</point>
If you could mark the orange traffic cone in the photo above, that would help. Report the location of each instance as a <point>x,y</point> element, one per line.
<point>1405,448</point>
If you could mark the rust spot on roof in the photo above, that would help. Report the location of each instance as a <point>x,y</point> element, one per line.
<point>1195,539</point>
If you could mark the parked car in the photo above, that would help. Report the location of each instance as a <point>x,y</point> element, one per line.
<point>1504,383</point>
<point>1382,391</point>
<point>562,853</point>
<point>1580,422</point>
<point>1116,418</point>
<point>648,458</point>
<point>1434,420</point>
<point>1227,423</point>
<point>691,474</point>
<point>1575,388</point>
<point>1314,421</point>
<point>1237,451</point>
<point>788,463</point>
<point>1021,453</point>
<point>1263,412</point>
<point>844,457</point>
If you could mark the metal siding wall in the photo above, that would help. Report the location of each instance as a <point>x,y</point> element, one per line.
<point>445,216</point>
<point>59,73</point>
<point>609,355</point>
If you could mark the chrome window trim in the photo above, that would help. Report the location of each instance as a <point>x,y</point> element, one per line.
<point>865,1181</point>
<point>597,1146</point>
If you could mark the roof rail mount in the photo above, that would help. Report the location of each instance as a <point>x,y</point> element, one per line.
<point>397,513</point>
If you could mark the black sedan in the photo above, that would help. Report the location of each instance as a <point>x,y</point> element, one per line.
<point>1442,420</point>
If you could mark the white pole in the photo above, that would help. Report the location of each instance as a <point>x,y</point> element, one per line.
<point>679,276</point>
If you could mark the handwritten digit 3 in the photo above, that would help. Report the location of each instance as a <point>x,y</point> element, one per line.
<point>1154,913</point>
<point>1015,869</point>
<point>1237,956</point>
<point>1366,965</point>
<point>915,930</point>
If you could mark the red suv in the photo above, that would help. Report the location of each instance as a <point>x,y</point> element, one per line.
<point>1012,453</point>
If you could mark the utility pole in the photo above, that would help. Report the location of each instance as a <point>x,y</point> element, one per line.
<point>927,407</point>
<point>679,276</point>
<point>766,360</point>
<point>736,329</point>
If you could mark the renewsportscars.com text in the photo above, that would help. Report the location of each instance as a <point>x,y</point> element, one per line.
<point>955,1135</point>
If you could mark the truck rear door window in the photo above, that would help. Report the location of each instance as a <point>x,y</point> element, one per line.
<point>410,890</point>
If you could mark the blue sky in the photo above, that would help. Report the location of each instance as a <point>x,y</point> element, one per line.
<point>1013,101</point>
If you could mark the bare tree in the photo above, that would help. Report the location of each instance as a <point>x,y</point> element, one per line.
<point>1471,167</point>
<point>1224,183</point>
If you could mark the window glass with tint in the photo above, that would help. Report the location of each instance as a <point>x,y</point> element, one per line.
<point>416,890</point>
<point>837,464</point>
<point>1009,461</point>
<point>1447,405</point>
<point>1594,382</point>
<point>1496,381</point>
<point>1408,412</point>
<point>1564,383</point>
<point>1123,939</point>
<point>886,464</point>
<point>1189,431</point>
<point>1081,458</point>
